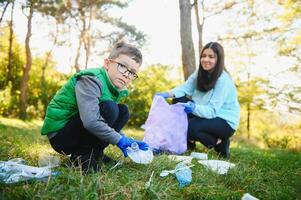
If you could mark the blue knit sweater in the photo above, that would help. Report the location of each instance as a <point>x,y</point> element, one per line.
<point>221,101</point>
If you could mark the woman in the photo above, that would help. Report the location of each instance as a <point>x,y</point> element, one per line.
<point>210,100</point>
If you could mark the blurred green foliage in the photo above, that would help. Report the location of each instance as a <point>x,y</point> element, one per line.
<point>255,96</point>
<point>10,90</point>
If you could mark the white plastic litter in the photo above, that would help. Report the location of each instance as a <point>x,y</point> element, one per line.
<point>15,170</point>
<point>183,174</point>
<point>186,159</point>
<point>148,183</point>
<point>247,196</point>
<point>120,162</point>
<point>140,156</point>
<point>200,156</point>
<point>167,172</point>
<point>218,166</point>
<point>47,160</point>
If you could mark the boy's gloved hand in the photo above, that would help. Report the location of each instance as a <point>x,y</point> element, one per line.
<point>125,142</point>
<point>189,107</point>
<point>165,95</point>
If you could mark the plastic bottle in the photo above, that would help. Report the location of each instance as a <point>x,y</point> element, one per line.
<point>138,155</point>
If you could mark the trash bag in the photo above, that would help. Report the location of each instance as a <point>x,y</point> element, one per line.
<point>166,127</point>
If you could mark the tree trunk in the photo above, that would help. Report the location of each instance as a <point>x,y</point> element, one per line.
<point>81,39</point>
<point>87,40</point>
<point>199,24</point>
<point>10,50</point>
<point>76,65</point>
<point>248,111</point>
<point>188,57</point>
<point>4,10</point>
<point>26,69</point>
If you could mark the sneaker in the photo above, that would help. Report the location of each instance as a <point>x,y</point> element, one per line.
<point>191,145</point>
<point>223,148</point>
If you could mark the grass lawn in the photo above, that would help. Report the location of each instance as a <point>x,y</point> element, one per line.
<point>266,174</point>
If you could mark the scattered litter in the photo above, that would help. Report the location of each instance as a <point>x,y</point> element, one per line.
<point>247,196</point>
<point>47,160</point>
<point>148,183</point>
<point>183,174</point>
<point>167,172</point>
<point>200,156</point>
<point>15,170</point>
<point>219,166</point>
<point>186,159</point>
<point>139,156</point>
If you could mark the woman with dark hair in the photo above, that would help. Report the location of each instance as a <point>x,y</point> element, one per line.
<point>210,101</point>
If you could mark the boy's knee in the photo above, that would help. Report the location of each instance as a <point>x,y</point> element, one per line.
<point>124,109</point>
<point>109,108</point>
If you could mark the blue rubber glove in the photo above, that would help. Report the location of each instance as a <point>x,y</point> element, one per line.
<point>126,142</point>
<point>189,107</point>
<point>165,95</point>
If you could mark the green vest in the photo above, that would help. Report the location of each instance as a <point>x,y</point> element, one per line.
<point>63,105</point>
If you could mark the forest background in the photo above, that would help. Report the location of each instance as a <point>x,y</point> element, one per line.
<point>42,43</point>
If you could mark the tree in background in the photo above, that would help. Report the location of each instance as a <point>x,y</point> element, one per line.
<point>188,55</point>
<point>25,77</point>
<point>10,51</point>
<point>79,15</point>
<point>52,83</point>
<point>3,4</point>
<point>88,16</point>
<point>55,13</point>
<point>203,12</point>
<point>290,46</point>
<point>10,94</point>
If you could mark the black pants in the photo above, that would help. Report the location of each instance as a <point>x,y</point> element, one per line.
<point>75,139</point>
<point>207,131</point>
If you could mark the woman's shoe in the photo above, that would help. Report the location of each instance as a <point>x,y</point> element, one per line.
<point>223,148</point>
<point>191,145</point>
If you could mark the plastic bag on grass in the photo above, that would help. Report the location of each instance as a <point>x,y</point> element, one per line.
<point>218,166</point>
<point>166,127</point>
<point>15,170</point>
<point>184,176</point>
<point>47,160</point>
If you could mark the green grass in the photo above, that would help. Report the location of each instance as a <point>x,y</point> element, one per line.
<point>264,173</point>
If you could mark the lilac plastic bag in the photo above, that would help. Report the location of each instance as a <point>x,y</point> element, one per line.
<point>166,127</point>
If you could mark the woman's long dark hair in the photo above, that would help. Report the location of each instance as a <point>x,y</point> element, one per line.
<point>206,81</point>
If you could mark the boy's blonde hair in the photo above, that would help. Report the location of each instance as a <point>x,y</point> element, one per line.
<point>126,49</point>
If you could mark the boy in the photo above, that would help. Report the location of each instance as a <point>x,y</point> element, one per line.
<point>84,116</point>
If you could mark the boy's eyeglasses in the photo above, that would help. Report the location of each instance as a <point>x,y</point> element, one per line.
<point>124,70</point>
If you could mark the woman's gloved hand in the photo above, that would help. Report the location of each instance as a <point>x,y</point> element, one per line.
<point>189,107</point>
